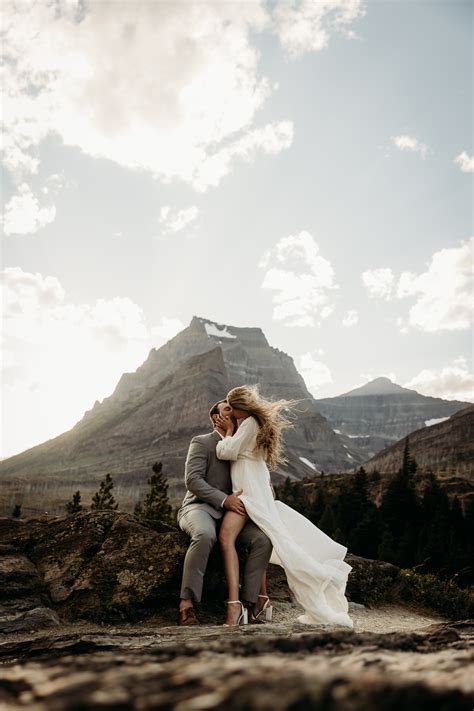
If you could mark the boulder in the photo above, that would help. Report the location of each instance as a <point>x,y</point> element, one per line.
<point>106,567</point>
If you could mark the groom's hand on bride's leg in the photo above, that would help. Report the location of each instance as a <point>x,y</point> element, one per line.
<point>233,503</point>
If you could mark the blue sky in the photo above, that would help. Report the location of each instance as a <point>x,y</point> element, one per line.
<point>305,168</point>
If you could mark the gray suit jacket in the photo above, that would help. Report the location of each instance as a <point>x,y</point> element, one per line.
<point>206,477</point>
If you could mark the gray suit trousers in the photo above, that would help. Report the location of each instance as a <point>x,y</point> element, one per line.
<point>202,529</point>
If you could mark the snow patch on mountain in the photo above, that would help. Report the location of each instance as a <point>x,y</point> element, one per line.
<point>435,421</point>
<point>213,329</point>
<point>310,464</point>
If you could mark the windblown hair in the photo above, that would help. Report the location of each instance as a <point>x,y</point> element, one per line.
<point>270,419</point>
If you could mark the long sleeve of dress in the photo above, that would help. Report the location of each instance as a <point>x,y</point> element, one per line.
<point>243,439</point>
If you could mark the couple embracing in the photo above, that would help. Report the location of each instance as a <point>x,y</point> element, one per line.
<point>230,497</point>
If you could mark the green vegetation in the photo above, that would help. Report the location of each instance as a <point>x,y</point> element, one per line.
<point>103,500</point>
<point>444,596</point>
<point>156,507</point>
<point>427,531</point>
<point>74,505</point>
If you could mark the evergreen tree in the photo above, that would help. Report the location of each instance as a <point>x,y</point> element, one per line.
<point>400,516</point>
<point>435,524</point>
<point>285,492</point>
<point>469,536</point>
<point>344,513</point>
<point>457,544</point>
<point>375,477</point>
<point>366,537</point>
<point>328,522</point>
<point>156,506</point>
<point>293,493</point>
<point>74,505</point>
<point>16,513</point>
<point>138,510</point>
<point>103,500</point>
<point>409,465</point>
<point>316,509</point>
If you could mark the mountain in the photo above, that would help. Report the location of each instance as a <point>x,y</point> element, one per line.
<point>447,448</point>
<point>155,411</point>
<point>379,413</point>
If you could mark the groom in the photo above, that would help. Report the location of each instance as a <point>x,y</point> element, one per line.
<point>208,496</point>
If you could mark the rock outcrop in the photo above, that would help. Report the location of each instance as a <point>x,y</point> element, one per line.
<point>269,669</point>
<point>105,567</point>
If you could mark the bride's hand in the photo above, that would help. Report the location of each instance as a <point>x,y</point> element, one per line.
<point>225,423</point>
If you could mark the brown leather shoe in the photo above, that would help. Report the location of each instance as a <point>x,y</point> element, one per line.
<point>187,617</point>
<point>252,619</point>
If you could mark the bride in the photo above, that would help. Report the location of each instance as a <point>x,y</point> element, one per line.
<point>313,562</point>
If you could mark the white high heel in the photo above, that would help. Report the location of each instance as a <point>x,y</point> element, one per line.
<point>267,609</point>
<point>243,617</point>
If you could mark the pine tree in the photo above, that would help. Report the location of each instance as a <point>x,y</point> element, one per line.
<point>74,505</point>
<point>344,513</point>
<point>327,522</point>
<point>409,465</point>
<point>316,508</point>
<point>285,492</point>
<point>138,510</point>
<point>16,513</point>
<point>103,499</point>
<point>400,516</point>
<point>435,525</point>
<point>156,506</point>
<point>457,552</point>
<point>375,476</point>
<point>364,530</point>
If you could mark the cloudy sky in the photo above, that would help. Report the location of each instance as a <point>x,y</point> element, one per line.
<point>305,167</point>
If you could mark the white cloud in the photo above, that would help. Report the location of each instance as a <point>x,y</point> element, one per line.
<point>378,282</point>
<point>58,357</point>
<point>465,162</point>
<point>410,143</point>
<point>159,87</point>
<point>452,382</point>
<point>171,88</point>
<point>302,279</point>
<point>444,291</point>
<point>176,220</point>
<point>306,26</point>
<point>270,139</point>
<point>351,318</point>
<point>24,214</point>
<point>168,328</point>
<point>314,372</point>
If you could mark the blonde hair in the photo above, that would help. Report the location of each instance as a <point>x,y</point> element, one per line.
<point>269,418</point>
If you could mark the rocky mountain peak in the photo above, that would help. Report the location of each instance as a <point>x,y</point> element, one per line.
<point>378,386</point>
<point>222,333</point>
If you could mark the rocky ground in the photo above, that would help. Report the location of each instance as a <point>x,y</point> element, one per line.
<point>87,621</point>
<point>271,666</point>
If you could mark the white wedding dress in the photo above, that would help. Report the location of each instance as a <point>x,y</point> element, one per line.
<point>314,563</point>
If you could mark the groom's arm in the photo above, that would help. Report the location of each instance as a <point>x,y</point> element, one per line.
<point>194,476</point>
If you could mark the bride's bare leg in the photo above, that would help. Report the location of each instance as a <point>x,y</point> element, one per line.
<point>231,526</point>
